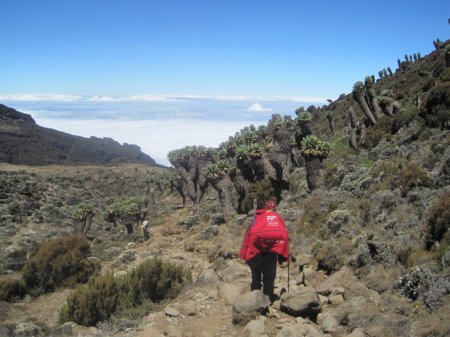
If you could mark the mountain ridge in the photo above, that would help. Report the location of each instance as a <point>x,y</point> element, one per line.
<point>24,142</point>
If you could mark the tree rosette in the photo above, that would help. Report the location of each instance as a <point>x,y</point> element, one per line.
<point>358,87</point>
<point>217,170</point>
<point>81,211</point>
<point>126,207</point>
<point>251,151</point>
<point>313,147</point>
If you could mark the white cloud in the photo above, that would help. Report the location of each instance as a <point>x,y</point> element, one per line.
<point>102,99</point>
<point>258,108</point>
<point>40,97</point>
<point>156,138</point>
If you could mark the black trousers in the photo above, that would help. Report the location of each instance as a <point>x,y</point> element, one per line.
<point>264,267</point>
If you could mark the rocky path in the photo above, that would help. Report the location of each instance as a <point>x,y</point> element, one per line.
<point>205,308</point>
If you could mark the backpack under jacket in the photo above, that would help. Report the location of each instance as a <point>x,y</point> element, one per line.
<point>267,233</point>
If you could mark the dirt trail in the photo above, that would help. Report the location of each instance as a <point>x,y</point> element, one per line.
<point>213,316</point>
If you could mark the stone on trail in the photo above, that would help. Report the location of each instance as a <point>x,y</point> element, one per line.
<point>248,306</point>
<point>255,328</point>
<point>229,292</point>
<point>300,330</point>
<point>207,276</point>
<point>302,302</point>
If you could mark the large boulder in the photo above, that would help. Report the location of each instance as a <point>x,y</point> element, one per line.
<point>207,276</point>
<point>303,302</point>
<point>358,289</point>
<point>229,292</point>
<point>234,271</point>
<point>342,278</point>
<point>248,306</point>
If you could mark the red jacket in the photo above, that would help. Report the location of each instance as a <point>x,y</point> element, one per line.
<point>267,224</point>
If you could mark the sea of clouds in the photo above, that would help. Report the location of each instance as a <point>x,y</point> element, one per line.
<point>156,123</point>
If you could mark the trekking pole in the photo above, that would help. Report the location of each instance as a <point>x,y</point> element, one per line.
<point>289,258</point>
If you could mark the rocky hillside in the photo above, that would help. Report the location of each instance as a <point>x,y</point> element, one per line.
<point>24,142</point>
<point>362,183</point>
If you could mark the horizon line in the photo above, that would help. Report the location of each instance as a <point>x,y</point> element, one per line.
<point>120,98</point>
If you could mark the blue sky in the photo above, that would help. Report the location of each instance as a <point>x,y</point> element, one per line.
<point>226,63</point>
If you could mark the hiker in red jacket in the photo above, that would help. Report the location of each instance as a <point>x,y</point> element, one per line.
<point>265,243</point>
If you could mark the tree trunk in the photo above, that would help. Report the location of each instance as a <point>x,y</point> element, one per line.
<point>78,226</point>
<point>362,136</point>
<point>360,98</point>
<point>224,187</point>
<point>202,181</point>
<point>241,186</point>
<point>352,138</point>
<point>388,109</point>
<point>373,102</point>
<point>352,131</point>
<point>314,175</point>
<point>190,187</point>
<point>330,121</point>
<point>281,163</point>
<point>88,223</point>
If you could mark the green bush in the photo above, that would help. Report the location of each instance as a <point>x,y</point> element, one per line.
<point>95,302</point>
<point>104,296</point>
<point>436,112</point>
<point>382,129</point>
<point>438,221</point>
<point>61,262</point>
<point>402,118</point>
<point>156,280</point>
<point>11,289</point>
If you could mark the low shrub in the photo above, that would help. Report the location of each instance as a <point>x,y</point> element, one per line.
<point>95,302</point>
<point>382,129</point>
<point>332,255</point>
<point>332,175</point>
<point>61,262</point>
<point>413,176</point>
<point>386,173</point>
<point>438,221</point>
<point>435,111</point>
<point>317,209</point>
<point>424,281</point>
<point>403,118</point>
<point>11,289</point>
<point>156,280</point>
<point>104,296</point>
